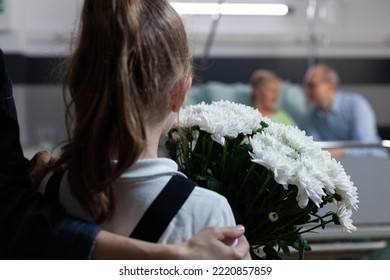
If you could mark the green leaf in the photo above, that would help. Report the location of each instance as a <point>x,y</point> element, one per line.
<point>285,247</point>
<point>271,253</point>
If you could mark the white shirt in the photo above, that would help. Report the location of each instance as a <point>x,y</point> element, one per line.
<point>138,187</point>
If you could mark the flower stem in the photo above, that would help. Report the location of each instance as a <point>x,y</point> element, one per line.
<point>259,193</point>
<point>320,225</point>
<point>223,160</point>
<point>247,176</point>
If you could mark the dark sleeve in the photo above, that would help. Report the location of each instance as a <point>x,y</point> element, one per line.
<point>30,226</point>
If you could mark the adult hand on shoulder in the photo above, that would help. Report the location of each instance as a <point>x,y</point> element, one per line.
<point>212,242</point>
<point>39,165</point>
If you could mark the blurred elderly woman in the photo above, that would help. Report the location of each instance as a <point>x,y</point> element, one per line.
<point>265,93</point>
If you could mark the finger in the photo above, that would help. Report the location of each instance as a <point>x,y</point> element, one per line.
<point>40,159</point>
<point>242,249</point>
<point>41,156</point>
<point>39,165</point>
<point>228,234</point>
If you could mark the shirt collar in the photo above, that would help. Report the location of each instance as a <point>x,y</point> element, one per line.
<point>147,168</point>
<point>334,107</point>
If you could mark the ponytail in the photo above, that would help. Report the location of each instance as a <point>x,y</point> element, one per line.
<point>129,56</point>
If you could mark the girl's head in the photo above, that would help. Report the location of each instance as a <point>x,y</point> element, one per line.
<point>131,61</point>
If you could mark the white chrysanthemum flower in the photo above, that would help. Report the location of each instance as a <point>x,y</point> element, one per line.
<point>296,159</point>
<point>292,137</point>
<point>308,188</point>
<point>221,119</point>
<point>343,185</point>
<point>271,154</point>
<point>282,167</point>
<point>317,168</point>
<point>261,140</point>
<point>344,218</point>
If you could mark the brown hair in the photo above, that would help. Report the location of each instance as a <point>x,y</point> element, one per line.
<point>130,56</point>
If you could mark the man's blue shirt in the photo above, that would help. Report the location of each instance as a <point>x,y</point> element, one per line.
<point>350,118</point>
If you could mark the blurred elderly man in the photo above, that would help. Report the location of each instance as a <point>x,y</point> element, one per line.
<point>339,116</point>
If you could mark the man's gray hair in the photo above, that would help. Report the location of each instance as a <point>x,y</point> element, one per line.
<point>329,74</point>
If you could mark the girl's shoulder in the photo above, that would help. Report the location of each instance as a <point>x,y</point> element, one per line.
<point>208,196</point>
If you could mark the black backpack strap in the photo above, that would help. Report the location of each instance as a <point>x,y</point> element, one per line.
<point>52,191</point>
<point>161,212</point>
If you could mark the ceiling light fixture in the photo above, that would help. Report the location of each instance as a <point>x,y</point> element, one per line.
<point>230,9</point>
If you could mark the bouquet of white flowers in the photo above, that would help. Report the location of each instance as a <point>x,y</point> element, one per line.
<point>274,176</point>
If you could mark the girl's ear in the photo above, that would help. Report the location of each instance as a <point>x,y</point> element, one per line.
<point>179,94</point>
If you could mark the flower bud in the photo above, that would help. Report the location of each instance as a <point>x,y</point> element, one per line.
<point>245,141</point>
<point>175,136</point>
<point>273,216</point>
<point>195,135</point>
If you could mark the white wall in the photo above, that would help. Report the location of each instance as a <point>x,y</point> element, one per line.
<point>39,27</point>
<point>343,28</point>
